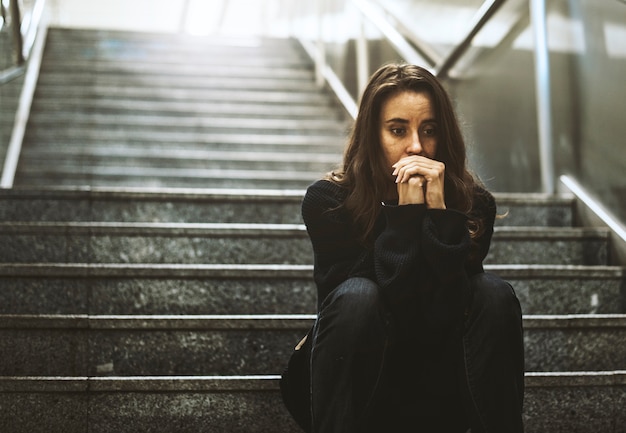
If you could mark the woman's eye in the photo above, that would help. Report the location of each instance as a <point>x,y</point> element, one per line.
<point>397,131</point>
<point>430,131</point>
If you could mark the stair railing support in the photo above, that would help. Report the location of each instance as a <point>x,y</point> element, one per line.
<point>16,23</point>
<point>23,109</point>
<point>538,18</point>
<point>362,59</point>
<point>320,58</point>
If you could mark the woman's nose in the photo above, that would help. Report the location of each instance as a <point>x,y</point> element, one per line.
<point>414,147</point>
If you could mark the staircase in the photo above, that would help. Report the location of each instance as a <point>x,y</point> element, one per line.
<point>155,273</point>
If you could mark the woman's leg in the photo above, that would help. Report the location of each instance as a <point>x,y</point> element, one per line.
<point>493,351</point>
<point>347,356</point>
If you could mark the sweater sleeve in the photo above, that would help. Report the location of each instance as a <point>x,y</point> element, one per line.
<point>336,252</point>
<point>419,259</point>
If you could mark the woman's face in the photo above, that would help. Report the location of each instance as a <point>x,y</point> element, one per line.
<point>408,126</point>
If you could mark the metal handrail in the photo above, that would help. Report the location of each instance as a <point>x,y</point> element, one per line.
<point>484,14</point>
<point>441,68</point>
<point>37,30</point>
<point>16,20</point>
<point>24,38</point>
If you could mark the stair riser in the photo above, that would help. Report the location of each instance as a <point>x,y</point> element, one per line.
<point>571,295</point>
<point>156,179</point>
<point>120,249</point>
<point>128,246</point>
<point>94,412</point>
<point>583,409</point>
<point>189,125</point>
<point>137,352</point>
<point>182,411</point>
<point>258,295</point>
<point>132,352</point>
<point>64,162</point>
<point>548,251</point>
<point>178,95</point>
<point>86,81</point>
<point>174,208</point>
<point>130,412</point>
<point>124,68</point>
<point>138,209</point>
<point>157,296</point>
<point>161,108</point>
<point>278,55</point>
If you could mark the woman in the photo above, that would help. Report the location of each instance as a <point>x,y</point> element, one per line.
<point>411,333</point>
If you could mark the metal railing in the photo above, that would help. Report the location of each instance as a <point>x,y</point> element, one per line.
<point>24,28</point>
<point>30,38</point>
<point>414,50</point>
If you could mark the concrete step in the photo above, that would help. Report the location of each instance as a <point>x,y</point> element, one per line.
<point>69,160</point>
<point>82,80</point>
<point>190,140</point>
<point>156,289</point>
<point>223,205</point>
<point>151,205</point>
<point>217,109</point>
<point>326,127</point>
<point>172,48</point>
<point>593,401</point>
<point>549,245</point>
<point>137,345</point>
<point>145,45</point>
<point>249,404</point>
<point>128,66</point>
<point>101,289</point>
<point>30,175</point>
<point>97,92</point>
<point>94,242</point>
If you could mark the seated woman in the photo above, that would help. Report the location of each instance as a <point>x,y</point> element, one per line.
<point>411,333</point>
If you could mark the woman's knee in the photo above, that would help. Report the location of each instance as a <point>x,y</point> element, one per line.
<point>354,303</point>
<point>495,298</point>
<point>359,295</point>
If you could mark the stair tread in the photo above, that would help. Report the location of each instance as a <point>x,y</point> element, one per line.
<point>251,270</point>
<point>256,229</point>
<point>255,382</point>
<point>256,322</point>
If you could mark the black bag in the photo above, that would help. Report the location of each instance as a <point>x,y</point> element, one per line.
<point>295,384</point>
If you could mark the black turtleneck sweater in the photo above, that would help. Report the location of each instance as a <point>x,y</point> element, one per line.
<point>421,258</point>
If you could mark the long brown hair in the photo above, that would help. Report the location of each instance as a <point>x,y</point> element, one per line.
<point>364,172</point>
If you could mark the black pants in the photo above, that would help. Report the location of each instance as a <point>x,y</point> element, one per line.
<point>368,377</point>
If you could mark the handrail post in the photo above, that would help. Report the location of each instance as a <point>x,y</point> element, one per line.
<point>16,23</point>
<point>362,59</point>
<point>320,58</point>
<point>542,90</point>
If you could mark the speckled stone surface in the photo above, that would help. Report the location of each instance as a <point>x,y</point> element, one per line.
<point>540,214</point>
<point>548,251</point>
<point>570,296</point>
<point>44,412</point>
<point>568,405</point>
<point>63,352</point>
<point>187,244</point>
<point>42,352</point>
<point>185,205</point>
<point>190,412</point>
<point>280,295</point>
<point>575,349</point>
<point>130,353</point>
<point>575,409</point>
<point>157,289</point>
<point>128,346</point>
<point>180,412</point>
<point>154,249</point>
<point>174,209</point>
